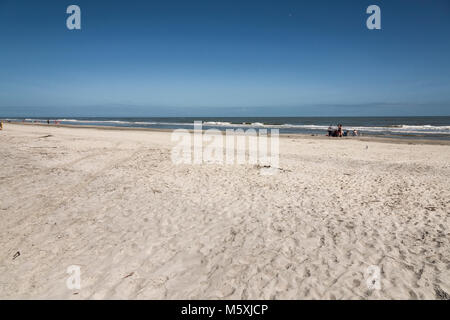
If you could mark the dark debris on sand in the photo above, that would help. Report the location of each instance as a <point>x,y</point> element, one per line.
<point>441,294</point>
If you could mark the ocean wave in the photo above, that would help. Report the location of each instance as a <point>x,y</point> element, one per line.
<point>217,123</point>
<point>394,129</point>
<point>94,121</point>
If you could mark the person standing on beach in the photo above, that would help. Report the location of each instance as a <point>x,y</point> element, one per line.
<point>1,125</point>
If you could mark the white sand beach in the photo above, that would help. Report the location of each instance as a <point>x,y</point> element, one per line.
<point>141,227</point>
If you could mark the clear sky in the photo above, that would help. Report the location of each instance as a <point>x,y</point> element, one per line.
<point>295,57</point>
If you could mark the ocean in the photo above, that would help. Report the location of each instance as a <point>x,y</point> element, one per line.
<point>406,127</point>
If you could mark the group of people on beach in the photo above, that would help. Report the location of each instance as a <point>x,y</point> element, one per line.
<point>32,121</point>
<point>40,121</point>
<point>339,132</point>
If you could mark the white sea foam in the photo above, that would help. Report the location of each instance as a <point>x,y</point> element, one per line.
<point>216,123</point>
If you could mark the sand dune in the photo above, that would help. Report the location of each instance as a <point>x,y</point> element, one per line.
<point>140,227</point>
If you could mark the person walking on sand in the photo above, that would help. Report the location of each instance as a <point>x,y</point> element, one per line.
<point>1,125</point>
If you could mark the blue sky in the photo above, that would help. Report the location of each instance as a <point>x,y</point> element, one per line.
<point>293,57</point>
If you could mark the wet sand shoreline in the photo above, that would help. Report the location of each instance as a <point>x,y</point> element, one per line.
<point>368,138</point>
